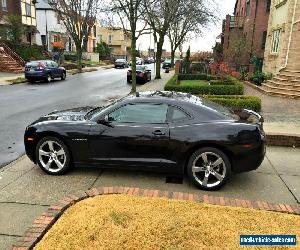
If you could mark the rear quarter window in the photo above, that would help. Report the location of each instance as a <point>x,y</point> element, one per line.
<point>178,115</point>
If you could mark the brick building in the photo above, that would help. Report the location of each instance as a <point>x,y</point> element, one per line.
<point>244,33</point>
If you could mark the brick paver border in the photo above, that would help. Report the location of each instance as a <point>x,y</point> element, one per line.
<point>44,222</point>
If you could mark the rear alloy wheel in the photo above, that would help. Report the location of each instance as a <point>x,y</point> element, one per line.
<point>48,78</point>
<point>52,156</point>
<point>209,168</point>
<point>63,76</point>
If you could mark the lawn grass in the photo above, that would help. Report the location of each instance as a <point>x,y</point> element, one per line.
<point>127,222</point>
<point>17,80</point>
<point>193,82</point>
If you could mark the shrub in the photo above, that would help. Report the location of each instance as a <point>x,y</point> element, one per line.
<point>31,52</point>
<point>220,82</point>
<point>247,102</point>
<point>236,88</point>
<point>259,77</point>
<point>196,77</point>
<point>70,57</point>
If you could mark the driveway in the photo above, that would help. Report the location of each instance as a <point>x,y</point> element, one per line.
<point>26,192</point>
<point>21,104</point>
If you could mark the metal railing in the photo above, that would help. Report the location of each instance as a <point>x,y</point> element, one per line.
<point>7,50</point>
<point>236,21</point>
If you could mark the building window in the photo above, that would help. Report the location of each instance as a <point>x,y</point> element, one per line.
<point>4,5</point>
<point>56,38</point>
<point>28,9</point>
<point>43,38</point>
<point>275,41</point>
<point>110,39</point>
<point>268,5</point>
<point>248,8</point>
<point>264,39</point>
<point>95,31</point>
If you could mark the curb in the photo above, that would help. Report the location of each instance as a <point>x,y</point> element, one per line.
<point>285,140</point>
<point>44,222</point>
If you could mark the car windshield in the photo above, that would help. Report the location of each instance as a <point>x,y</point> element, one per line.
<point>94,112</point>
<point>32,64</point>
<point>120,60</point>
<point>140,68</point>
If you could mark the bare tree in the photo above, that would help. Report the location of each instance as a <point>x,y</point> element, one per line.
<point>166,15</point>
<point>131,11</point>
<point>78,16</point>
<point>194,16</point>
<point>160,15</point>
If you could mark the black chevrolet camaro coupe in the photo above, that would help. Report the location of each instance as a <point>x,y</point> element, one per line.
<point>169,132</point>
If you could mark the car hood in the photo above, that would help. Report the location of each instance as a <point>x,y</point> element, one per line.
<point>74,114</point>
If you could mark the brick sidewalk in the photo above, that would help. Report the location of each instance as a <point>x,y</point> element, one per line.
<point>44,222</point>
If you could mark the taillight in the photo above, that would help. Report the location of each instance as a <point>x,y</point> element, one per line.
<point>41,66</point>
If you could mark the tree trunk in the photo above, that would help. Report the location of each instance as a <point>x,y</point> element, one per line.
<point>158,56</point>
<point>79,58</point>
<point>172,58</point>
<point>133,63</point>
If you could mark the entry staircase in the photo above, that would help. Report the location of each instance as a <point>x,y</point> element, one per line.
<point>9,60</point>
<point>285,84</point>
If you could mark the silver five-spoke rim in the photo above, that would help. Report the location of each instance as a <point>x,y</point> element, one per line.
<point>52,156</point>
<point>209,169</point>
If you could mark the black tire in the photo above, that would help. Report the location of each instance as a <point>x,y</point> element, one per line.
<point>63,76</point>
<point>41,159</point>
<point>31,80</point>
<point>48,78</point>
<point>207,170</point>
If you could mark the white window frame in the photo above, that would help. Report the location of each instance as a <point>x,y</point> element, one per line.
<point>276,35</point>
<point>4,5</point>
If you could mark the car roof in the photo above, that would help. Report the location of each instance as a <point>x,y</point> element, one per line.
<point>167,96</point>
<point>195,103</point>
<point>38,61</point>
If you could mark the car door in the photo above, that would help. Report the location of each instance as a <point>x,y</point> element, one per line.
<point>56,71</point>
<point>138,136</point>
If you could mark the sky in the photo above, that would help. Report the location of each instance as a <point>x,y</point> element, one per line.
<point>203,43</point>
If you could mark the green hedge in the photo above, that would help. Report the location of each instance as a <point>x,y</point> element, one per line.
<point>220,82</point>
<point>236,88</point>
<point>247,102</point>
<point>196,77</point>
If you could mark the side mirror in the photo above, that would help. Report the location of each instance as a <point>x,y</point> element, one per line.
<point>106,120</point>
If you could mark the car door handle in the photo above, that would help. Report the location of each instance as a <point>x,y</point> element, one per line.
<point>158,133</point>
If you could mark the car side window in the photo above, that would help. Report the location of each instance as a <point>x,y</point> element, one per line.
<point>178,115</point>
<point>54,65</point>
<point>140,113</point>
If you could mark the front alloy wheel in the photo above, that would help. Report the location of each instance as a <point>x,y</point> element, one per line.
<point>52,156</point>
<point>209,168</point>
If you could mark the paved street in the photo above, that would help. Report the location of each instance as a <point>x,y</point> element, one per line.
<point>26,191</point>
<point>21,104</point>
